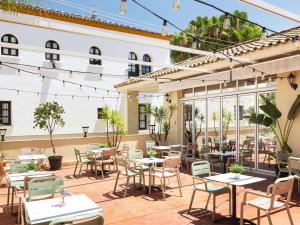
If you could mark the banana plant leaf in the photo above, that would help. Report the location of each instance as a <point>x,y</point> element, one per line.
<point>267,121</point>
<point>270,109</point>
<point>294,109</point>
<point>257,118</point>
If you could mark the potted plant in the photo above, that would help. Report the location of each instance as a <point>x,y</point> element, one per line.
<point>236,169</point>
<point>48,116</point>
<point>152,154</point>
<point>270,119</point>
<point>31,166</point>
<point>3,156</point>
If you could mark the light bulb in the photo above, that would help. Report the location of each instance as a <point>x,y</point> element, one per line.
<point>264,34</point>
<point>231,65</point>
<point>176,5</point>
<point>226,23</point>
<point>270,79</point>
<point>164,30</point>
<point>19,72</point>
<point>195,43</point>
<point>263,77</point>
<point>123,8</point>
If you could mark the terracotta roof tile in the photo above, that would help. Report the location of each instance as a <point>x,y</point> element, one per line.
<point>238,49</point>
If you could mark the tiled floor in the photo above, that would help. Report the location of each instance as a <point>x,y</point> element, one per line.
<point>140,208</point>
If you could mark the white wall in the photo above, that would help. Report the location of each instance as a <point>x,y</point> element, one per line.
<point>34,32</point>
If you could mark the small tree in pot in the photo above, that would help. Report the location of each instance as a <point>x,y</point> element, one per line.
<point>48,116</point>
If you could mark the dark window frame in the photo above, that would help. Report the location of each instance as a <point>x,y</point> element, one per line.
<point>52,56</point>
<point>146,69</point>
<point>145,117</point>
<point>8,116</point>
<point>99,111</point>
<point>133,69</point>
<point>95,51</point>
<point>11,40</point>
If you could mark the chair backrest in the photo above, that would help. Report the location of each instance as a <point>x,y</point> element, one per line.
<point>108,153</point>
<point>29,151</point>
<point>44,187</point>
<point>125,150</point>
<point>135,154</point>
<point>172,164</point>
<point>163,143</point>
<point>77,155</point>
<point>294,165</point>
<point>174,153</point>
<point>86,219</point>
<point>149,144</point>
<point>121,164</point>
<point>18,167</point>
<point>28,178</point>
<point>192,149</point>
<point>283,186</point>
<point>200,168</point>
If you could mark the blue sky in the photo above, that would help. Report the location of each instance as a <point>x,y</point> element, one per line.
<point>138,17</point>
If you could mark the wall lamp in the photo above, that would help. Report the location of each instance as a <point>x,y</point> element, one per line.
<point>292,81</point>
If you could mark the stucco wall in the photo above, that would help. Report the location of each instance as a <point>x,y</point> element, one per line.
<point>65,146</point>
<point>284,99</point>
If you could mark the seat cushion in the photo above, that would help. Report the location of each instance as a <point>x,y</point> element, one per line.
<point>166,174</point>
<point>264,203</point>
<point>215,189</point>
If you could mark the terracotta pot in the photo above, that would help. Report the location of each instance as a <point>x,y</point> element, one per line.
<point>55,162</point>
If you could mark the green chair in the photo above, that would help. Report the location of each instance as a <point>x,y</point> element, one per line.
<point>124,169</point>
<point>149,145</point>
<point>282,162</point>
<point>87,219</point>
<point>41,188</point>
<point>200,169</point>
<point>294,168</point>
<point>137,154</point>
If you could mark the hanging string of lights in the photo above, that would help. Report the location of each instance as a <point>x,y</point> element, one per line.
<point>64,82</point>
<point>65,70</point>
<point>195,40</point>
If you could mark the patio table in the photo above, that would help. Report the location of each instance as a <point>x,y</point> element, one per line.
<point>223,155</point>
<point>17,180</point>
<point>47,210</point>
<point>32,157</point>
<point>150,163</point>
<point>228,178</point>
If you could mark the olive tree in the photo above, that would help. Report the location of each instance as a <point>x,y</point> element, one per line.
<point>48,116</point>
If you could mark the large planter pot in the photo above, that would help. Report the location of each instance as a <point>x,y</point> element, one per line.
<point>55,162</point>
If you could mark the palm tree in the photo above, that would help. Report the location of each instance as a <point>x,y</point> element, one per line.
<point>212,34</point>
<point>13,5</point>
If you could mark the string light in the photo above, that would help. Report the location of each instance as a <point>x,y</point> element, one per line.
<point>195,43</point>
<point>264,34</point>
<point>64,83</point>
<point>262,76</point>
<point>19,72</point>
<point>164,30</point>
<point>226,22</point>
<point>70,75</point>
<point>176,5</point>
<point>123,8</point>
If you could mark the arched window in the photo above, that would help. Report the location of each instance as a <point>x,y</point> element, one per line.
<point>11,39</point>
<point>52,56</point>
<point>145,68</point>
<point>133,69</point>
<point>95,51</point>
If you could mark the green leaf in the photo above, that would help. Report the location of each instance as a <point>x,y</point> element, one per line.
<point>294,108</point>
<point>270,109</point>
<point>267,121</point>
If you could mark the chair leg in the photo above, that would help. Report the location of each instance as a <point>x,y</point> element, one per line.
<point>192,199</point>
<point>207,201</point>
<point>143,177</point>
<point>258,216</point>
<point>133,182</point>
<point>278,174</point>
<point>19,210</point>
<point>116,182</point>
<point>214,208</point>
<point>242,214</point>
<point>229,203</point>
<point>297,181</point>
<point>289,214</point>
<point>80,169</point>
<point>22,216</point>
<point>75,169</point>
<point>102,173</point>
<point>179,185</point>
<point>127,182</point>
<point>162,188</point>
<point>269,218</point>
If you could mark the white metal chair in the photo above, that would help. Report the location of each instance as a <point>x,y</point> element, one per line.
<point>294,168</point>
<point>87,219</point>
<point>202,168</point>
<point>267,201</point>
<point>170,168</point>
<point>282,162</point>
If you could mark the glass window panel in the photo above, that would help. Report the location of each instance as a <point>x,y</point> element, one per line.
<point>200,112</point>
<point>213,112</point>
<point>213,89</point>
<point>246,84</point>
<point>188,92</point>
<point>199,91</point>
<point>229,87</point>
<point>187,122</point>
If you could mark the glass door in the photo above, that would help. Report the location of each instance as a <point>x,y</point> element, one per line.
<point>213,123</point>
<point>200,122</point>
<point>188,136</point>
<point>266,138</point>
<point>247,131</point>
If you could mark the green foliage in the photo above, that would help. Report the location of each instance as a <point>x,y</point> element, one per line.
<point>31,166</point>
<point>14,6</point>
<point>211,30</point>
<point>3,155</point>
<point>162,118</point>
<point>236,168</point>
<point>270,118</point>
<point>48,116</point>
<point>114,121</point>
<point>198,122</point>
<point>152,153</point>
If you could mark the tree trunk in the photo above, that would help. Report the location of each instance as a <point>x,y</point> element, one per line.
<point>51,143</point>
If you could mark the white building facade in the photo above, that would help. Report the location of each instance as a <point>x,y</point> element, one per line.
<point>37,39</point>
